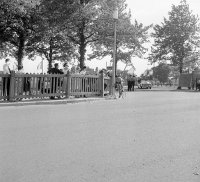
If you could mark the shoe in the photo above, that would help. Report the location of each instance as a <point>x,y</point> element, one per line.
<point>52,97</point>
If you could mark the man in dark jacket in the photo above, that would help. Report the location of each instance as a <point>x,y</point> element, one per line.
<point>129,82</point>
<point>54,70</point>
<point>133,83</point>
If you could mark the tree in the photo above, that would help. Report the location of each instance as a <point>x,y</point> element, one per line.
<point>177,38</point>
<point>82,26</point>
<point>50,39</point>
<point>161,72</point>
<point>130,36</point>
<point>17,25</point>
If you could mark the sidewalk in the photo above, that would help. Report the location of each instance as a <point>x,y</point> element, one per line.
<point>53,102</point>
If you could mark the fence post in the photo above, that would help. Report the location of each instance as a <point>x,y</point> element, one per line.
<point>102,84</point>
<point>12,87</point>
<point>68,86</point>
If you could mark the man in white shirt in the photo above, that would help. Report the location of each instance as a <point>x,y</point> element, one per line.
<point>6,69</point>
<point>6,80</point>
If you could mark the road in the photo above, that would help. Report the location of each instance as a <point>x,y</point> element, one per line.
<point>149,136</point>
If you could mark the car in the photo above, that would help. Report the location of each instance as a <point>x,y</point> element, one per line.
<point>145,84</point>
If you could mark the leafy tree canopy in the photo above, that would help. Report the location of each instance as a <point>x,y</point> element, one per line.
<point>17,18</point>
<point>161,72</point>
<point>130,36</point>
<point>177,38</point>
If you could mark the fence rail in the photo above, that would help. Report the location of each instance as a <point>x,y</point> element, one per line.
<point>27,86</point>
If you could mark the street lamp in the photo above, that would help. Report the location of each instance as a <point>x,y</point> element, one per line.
<point>115,17</point>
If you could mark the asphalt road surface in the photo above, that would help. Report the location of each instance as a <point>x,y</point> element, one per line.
<point>149,136</point>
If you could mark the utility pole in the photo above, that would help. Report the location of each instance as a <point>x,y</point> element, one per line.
<point>115,17</point>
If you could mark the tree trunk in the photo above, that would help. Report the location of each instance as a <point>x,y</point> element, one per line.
<point>20,51</point>
<point>50,57</point>
<point>82,45</point>
<point>82,51</point>
<point>180,69</point>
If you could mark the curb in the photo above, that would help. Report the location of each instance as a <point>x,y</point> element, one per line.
<point>52,102</point>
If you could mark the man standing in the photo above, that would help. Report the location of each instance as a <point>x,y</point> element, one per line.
<point>84,84</point>
<point>6,80</point>
<point>133,83</point>
<point>55,70</point>
<point>129,82</point>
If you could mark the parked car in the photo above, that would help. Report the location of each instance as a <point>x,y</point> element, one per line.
<point>145,84</point>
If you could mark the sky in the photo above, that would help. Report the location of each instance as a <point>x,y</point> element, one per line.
<point>144,11</point>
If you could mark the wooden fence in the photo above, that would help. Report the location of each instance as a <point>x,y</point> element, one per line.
<point>27,86</point>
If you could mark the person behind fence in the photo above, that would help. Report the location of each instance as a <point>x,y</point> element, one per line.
<point>65,71</point>
<point>6,80</point>
<point>65,68</point>
<point>84,83</point>
<point>104,74</point>
<point>20,82</point>
<point>27,84</point>
<point>54,70</point>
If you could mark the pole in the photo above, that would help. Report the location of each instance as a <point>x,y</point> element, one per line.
<point>115,17</point>
<point>114,57</point>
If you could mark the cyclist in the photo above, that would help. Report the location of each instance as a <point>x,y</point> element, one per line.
<point>119,84</point>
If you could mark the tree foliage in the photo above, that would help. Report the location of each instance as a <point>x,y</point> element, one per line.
<point>130,36</point>
<point>17,25</point>
<point>65,29</point>
<point>50,39</point>
<point>161,72</point>
<point>177,38</point>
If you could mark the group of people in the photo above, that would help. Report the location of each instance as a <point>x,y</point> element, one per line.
<point>56,70</point>
<point>131,79</point>
<point>24,84</point>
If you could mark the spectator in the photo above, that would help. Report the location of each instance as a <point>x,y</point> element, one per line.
<point>133,83</point>
<point>20,82</point>
<point>84,83</point>
<point>54,70</point>
<point>6,80</point>
<point>129,82</point>
<point>27,84</point>
<point>65,71</point>
<point>65,68</point>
